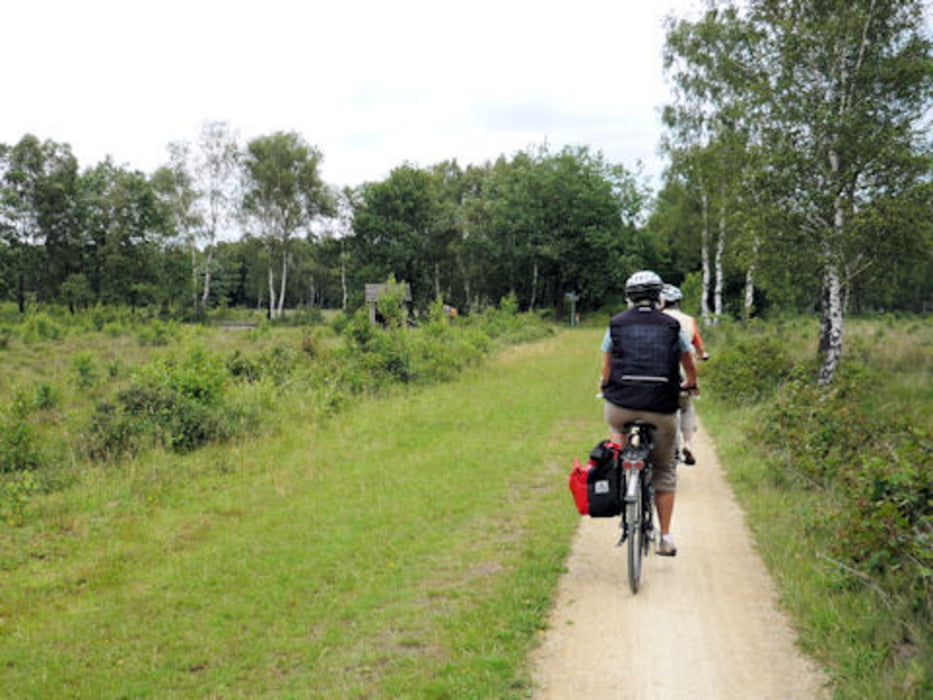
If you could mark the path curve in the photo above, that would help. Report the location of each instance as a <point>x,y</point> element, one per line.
<point>705,624</point>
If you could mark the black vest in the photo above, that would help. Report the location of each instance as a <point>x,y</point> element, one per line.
<point>645,361</point>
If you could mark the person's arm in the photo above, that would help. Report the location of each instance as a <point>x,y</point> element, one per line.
<point>690,372</point>
<point>698,343</point>
<point>607,368</point>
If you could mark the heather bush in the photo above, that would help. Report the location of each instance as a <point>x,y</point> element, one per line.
<point>748,369</point>
<point>178,402</point>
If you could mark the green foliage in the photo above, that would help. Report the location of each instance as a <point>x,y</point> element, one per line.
<point>876,471</point>
<point>437,350</point>
<point>156,333</point>
<point>879,467</point>
<point>39,327</point>
<point>19,445</point>
<point>749,368</point>
<point>46,396</point>
<point>15,495</point>
<point>86,369</point>
<point>180,403</point>
<point>391,304</point>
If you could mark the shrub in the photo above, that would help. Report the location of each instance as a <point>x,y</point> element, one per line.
<point>156,334</point>
<point>875,470</point>
<point>748,369</point>
<point>242,367</point>
<point>15,496</point>
<point>46,396</point>
<point>38,327</point>
<point>19,447</point>
<point>114,433</point>
<point>113,330</point>
<point>178,402</point>
<point>86,369</point>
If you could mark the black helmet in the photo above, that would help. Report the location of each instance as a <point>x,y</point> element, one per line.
<point>643,286</point>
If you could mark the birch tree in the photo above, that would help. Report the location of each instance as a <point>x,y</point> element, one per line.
<point>850,85</point>
<point>216,179</point>
<point>174,185</point>
<point>711,63</point>
<point>283,195</point>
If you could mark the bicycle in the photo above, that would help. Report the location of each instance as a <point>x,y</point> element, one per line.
<point>638,497</point>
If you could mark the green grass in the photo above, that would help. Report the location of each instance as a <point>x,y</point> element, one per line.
<point>408,548</point>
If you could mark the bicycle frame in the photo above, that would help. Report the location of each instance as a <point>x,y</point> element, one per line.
<point>637,513</point>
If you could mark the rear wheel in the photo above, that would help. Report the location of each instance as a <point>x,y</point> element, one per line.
<point>634,513</point>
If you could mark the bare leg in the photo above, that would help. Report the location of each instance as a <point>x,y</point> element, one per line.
<point>664,501</point>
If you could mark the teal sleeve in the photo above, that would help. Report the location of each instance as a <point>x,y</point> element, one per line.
<point>607,341</point>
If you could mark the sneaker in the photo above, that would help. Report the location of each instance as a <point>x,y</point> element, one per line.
<point>666,547</point>
<point>688,457</point>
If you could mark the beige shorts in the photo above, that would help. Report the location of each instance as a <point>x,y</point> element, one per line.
<point>664,475</point>
<point>688,415</point>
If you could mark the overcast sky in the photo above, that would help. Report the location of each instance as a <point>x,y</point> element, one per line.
<point>371,83</point>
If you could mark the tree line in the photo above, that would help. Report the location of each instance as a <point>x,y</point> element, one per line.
<point>798,179</point>
<point>225,224</point>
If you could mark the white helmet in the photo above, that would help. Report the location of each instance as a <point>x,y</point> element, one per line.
<point>671,294</point>
<point>644,285</point>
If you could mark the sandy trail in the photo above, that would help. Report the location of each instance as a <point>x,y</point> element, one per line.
<point>705,624</point>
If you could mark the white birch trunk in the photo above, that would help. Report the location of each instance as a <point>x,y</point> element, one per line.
<point>833,323</point>
<point>534,286</point>
<point>720,250</point>
<point>749,302</point>
<point>208,265</point>
<point>194,275</point>
<point>704,254</point>
<point>466,281</point>
<point>282,285</point>
<point>271,292</point>
<point>343,279</point>
<point>833,311</point>
<point>720,276</point>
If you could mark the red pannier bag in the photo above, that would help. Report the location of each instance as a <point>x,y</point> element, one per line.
<point>578,487</point>
<point>596,487</point>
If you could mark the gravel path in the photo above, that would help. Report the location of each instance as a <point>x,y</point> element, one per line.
<point>705,624</point>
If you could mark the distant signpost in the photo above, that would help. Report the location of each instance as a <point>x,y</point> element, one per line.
<point>572,297</point>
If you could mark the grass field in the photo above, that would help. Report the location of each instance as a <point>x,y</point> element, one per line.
<point>409,548</point>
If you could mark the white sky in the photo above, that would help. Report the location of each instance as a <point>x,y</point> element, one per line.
<point>372,83</point>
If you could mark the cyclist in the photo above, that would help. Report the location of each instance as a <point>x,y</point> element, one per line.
<point>643,352</point>
<point>671,297</point>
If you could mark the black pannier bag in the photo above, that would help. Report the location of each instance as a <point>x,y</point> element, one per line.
<point>603,481</point>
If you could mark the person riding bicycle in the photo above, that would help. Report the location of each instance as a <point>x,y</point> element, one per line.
<point>671,297</point>
<point>644,350</point>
